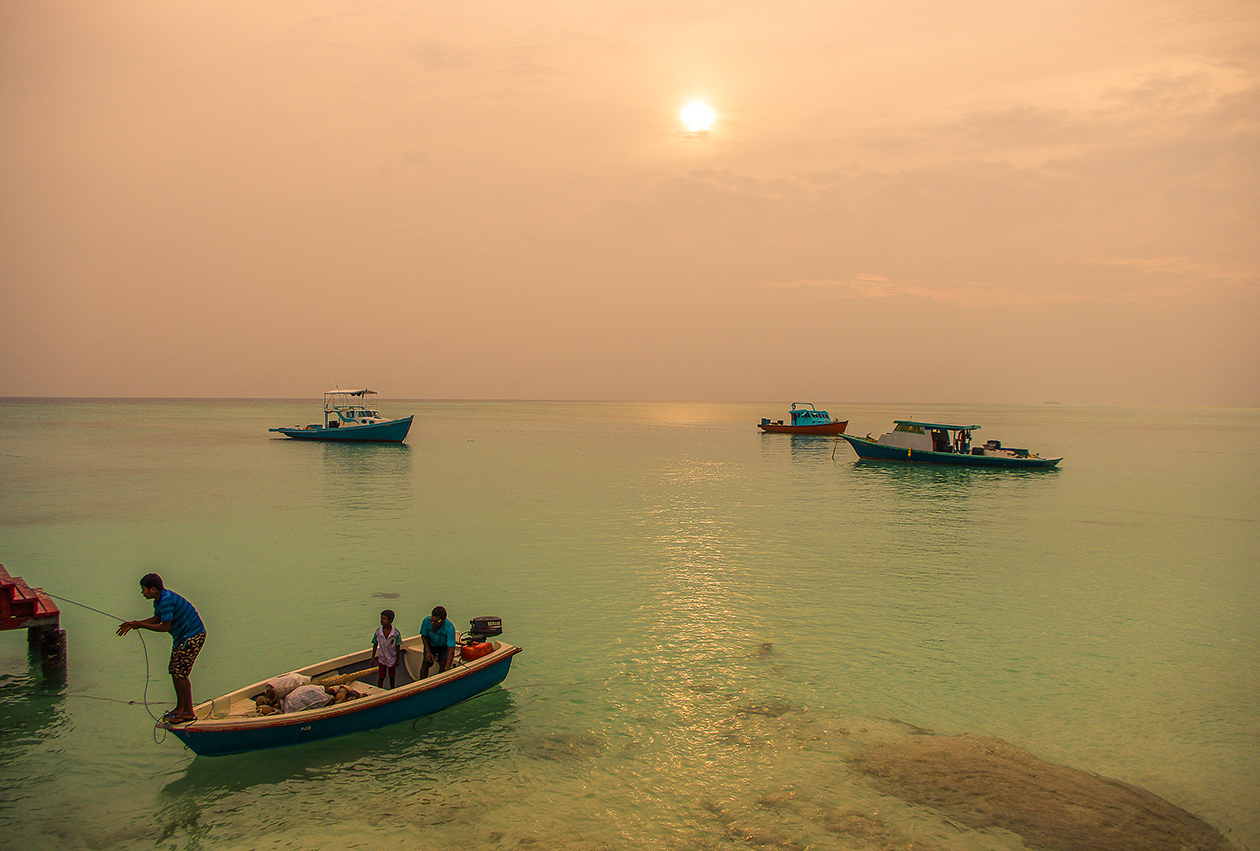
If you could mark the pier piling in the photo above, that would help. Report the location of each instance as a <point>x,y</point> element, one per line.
<point>24,607</point>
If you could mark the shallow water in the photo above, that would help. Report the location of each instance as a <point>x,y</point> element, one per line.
<point>713,619</point>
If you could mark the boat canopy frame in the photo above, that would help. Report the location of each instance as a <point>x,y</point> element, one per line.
<point>340,403</point>
<point>938,426</point>
<point>348,395</point>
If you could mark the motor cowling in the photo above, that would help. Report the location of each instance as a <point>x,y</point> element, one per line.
<point>480,629</point>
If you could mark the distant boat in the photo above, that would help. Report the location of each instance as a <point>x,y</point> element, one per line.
<point>937,443</point>
<point>232,722</point>
<point>350,415</point>
<point>805,420</point>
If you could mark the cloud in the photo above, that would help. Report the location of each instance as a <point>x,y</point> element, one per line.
<point>974,294</point>
<point>196,176</point>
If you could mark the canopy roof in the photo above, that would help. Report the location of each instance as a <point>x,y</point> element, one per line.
<point>364,392</point>
<point>939,425</point>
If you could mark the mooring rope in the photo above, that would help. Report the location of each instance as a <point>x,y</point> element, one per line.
<point>145,646</point>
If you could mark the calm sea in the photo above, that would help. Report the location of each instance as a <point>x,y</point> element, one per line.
<point>712,619</point>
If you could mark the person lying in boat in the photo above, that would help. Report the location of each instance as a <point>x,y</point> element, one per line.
<point>438,635</point>
<point>306,696</point>
<point>280,688</point>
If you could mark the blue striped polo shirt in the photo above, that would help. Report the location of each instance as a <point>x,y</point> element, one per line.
<point>185,622</point>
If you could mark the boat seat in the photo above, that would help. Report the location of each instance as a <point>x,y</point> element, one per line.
<point>365,688</point>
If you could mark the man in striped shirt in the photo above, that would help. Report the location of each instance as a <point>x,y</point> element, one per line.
<point>173,614</point>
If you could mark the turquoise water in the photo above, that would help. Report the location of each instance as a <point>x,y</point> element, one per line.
<point>711,618</point>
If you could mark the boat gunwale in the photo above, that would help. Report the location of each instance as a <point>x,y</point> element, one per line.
<point>827,429</point>
<point>344,428</point>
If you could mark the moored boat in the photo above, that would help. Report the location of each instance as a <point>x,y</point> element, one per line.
<point>939,443</point>
<point>805,419</point>
<point>351,415</point>
<point>232,723</point>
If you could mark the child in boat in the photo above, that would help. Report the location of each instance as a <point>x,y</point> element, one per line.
<point>386,648</point>
<point>438,635</point>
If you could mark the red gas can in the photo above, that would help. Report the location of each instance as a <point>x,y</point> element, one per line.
<point>475,651</point>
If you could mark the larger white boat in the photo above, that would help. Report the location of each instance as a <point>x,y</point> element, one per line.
<point>351,415</point>
<point>939,443</point>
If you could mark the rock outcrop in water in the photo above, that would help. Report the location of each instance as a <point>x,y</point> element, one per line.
<point>986,782</point>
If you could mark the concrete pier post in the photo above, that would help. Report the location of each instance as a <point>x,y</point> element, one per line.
<point>51,642</point>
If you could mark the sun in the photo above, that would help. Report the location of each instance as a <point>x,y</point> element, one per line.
<point>697,116</point>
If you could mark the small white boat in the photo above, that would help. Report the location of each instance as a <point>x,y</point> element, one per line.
<point>232,723</point>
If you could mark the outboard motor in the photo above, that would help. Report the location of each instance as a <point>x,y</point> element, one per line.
<point>482,628</point>
<point>476,642</point>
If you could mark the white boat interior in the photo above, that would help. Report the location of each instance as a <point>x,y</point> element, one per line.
<point>354,670</point>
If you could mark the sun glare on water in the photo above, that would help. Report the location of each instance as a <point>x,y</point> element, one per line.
<point>697,116</point>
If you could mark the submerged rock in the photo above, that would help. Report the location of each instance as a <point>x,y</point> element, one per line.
<point>769,708</point>
<point>563,746</point>
<point>857,830</point>
<point>986,782</point>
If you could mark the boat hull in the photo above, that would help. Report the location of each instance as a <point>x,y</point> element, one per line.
<point>219,737</point>
<point>394,431</point>
<point>832,428</point>
<point>874,451</point>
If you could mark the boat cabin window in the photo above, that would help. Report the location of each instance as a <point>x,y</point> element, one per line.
<point>912,429</point>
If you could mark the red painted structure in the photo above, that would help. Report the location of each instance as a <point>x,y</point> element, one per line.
<point>24,607</point>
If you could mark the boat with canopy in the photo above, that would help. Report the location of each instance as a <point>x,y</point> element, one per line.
<point>805,419</point>
<point>941,443</point>
<point>351,415</point>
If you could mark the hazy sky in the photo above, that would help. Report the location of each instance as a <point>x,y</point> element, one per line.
<point>975,201</point>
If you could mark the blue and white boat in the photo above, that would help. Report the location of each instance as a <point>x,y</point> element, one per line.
<point>940,443</point>
<point>806,419</point>
<point>232,723</point>
<point>351,415</point>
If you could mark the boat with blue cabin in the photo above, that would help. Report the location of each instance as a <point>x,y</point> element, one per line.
<point>234,722</point>
<point>940,443</point>
<point>351,415</point>
<point>805,419</point>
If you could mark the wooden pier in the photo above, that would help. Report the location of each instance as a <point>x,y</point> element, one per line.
<point>24,607</point>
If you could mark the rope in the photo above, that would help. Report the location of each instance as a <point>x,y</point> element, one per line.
<point>85,606</point>
<point>145,700</point>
